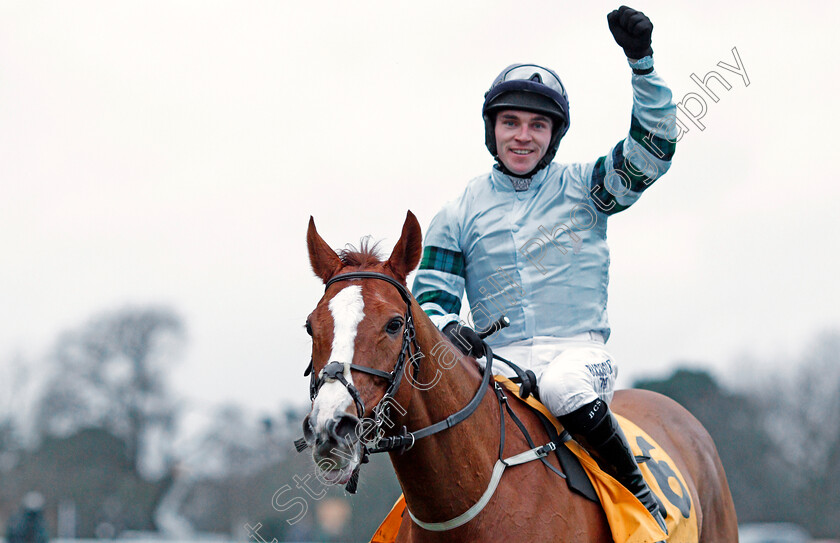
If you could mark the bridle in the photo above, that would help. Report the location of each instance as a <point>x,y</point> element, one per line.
<point>409,352</point>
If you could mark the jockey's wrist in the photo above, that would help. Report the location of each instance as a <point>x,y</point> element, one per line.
<point>642,66</point>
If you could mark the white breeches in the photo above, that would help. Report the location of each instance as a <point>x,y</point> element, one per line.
<point>571,372</point>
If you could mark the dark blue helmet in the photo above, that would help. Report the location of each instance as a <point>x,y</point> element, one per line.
<point>527,87</point>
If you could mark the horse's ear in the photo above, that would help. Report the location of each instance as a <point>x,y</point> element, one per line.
<point>324,260</point>
<point>406,254</point>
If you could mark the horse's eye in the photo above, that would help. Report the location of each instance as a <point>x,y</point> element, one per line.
<point>308,327</point>
<point>394,325</point>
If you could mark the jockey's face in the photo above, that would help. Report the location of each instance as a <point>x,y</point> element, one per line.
<point>522,138</point>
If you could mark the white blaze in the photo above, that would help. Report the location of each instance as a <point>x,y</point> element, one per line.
<point>347,309</point>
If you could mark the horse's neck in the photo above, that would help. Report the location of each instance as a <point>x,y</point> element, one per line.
<point>462,455</point>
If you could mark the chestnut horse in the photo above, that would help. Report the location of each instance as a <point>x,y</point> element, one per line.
<point>372,345</point>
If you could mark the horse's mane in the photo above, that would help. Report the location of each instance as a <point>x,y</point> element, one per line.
<point>367,255</point>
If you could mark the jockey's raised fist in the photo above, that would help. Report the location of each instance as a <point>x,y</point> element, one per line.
<point>632,31</point>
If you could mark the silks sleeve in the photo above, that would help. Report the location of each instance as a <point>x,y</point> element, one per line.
<point>440,281</point>
<point>618,178</point>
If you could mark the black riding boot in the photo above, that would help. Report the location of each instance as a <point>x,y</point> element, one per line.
<point>596,430</point>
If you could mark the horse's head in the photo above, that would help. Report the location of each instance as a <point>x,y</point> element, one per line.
<point>360,324</point>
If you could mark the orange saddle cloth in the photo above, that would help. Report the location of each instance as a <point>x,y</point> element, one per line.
<point>629,521</point>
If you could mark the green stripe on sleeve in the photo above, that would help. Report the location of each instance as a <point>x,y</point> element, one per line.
<point>443,260</point>
<point>661,148</point>
<point>448,302</point>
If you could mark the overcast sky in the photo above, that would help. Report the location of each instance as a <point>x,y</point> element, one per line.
<point>172,153</point>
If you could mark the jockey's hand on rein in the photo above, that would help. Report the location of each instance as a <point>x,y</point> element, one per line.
<point>632,31</point>
<point>465,338</point>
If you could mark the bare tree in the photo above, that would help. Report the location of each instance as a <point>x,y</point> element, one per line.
<point>805,404</point>
<point>110,373</point>
<point>802,411</point>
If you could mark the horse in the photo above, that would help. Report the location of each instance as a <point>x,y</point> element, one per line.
<point>374,360</point>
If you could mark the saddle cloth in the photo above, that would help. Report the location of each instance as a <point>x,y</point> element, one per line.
<point>629,520</point>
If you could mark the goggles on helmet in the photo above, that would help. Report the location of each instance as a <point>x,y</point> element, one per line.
<point>530,72</point>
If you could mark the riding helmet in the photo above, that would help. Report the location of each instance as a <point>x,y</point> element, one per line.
<point>527,87</point>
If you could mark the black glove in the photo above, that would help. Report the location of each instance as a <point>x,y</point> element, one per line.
<point>632,30</point>
<point>465,338</point>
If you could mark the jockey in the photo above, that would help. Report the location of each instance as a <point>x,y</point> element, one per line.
<point>528,240</point>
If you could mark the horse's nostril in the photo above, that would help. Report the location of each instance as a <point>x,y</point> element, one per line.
<point>345,427</point>
<point>308,432</point>
<point>337,431</point>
